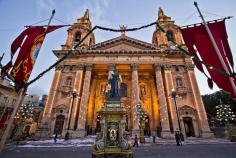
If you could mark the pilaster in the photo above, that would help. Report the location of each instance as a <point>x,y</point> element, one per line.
<point>52,93</point>
<point>203,122</point>
<point>77,86</point>
<point>169,84</point>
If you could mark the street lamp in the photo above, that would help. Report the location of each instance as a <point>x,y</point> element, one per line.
<point>174,96</point>
<point>73,96</point>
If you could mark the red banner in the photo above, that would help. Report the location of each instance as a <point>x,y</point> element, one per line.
<point>29,42</point>
<point>198,37</point>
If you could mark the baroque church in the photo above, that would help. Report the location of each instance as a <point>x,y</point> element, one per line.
<point>149,72</point>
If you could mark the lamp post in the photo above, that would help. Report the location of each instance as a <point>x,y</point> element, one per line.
<point>174,96</point>
<point>73,96</point>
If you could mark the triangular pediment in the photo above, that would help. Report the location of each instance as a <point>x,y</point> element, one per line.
<point>124,43</point>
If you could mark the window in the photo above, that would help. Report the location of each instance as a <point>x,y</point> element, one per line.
<point>170,32</point>
<point>5,100</point>
<point>77,36</point>
<point>179,82</point>
<point>13,101</point>
<point>68,81</point>
<point>123,90</point>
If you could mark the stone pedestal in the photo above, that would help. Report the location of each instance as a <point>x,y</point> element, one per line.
<point>42,131</point>
<point>207,134</point>
<point>166,135</point>
<point>74,134</point>
<point>112,141</point>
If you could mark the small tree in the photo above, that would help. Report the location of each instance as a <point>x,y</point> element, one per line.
<point>24,112</point>
<point>224,114</point>
<point>142,116</point>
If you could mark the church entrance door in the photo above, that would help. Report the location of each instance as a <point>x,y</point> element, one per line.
<point>59,124</point>
<point>188,126</point>
<point>147,131</point>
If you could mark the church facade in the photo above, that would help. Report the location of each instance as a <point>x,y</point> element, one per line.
<point>149,72</point>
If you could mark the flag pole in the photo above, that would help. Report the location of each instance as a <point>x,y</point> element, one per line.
<point>19,102</point>
<point>10,121</point>
<point>49,21</point>
<point>216,49</point>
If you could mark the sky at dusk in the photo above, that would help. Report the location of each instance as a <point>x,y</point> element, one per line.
<point>15,14</point>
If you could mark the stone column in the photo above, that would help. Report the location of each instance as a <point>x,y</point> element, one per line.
<point>169,84</point>
<point>84,101</point>
<point>91,103</point>
<point>164,118</point>
<point>202,117</point>
<point>135,98</point>
<point>77,87</point>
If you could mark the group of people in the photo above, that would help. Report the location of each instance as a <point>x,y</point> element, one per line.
<point>179,138</point>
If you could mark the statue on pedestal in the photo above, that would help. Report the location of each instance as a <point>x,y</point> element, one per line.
<point>113,141</point>
<point>114,86</point>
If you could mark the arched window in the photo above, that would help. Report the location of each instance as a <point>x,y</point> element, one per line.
<point>77,36</point>
<point>171,33</point>
<point>123,90</point>
<point>68,81</point>
<point>179,82</point>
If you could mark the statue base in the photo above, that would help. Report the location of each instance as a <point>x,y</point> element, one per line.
<point>112,142</point>
<point>111,154</point>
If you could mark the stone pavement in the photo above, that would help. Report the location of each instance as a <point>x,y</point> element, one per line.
<point>89,141</point>
<point>191,140</point>
<point>152,151</point>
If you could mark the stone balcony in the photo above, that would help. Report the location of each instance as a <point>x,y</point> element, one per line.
<point>65,89</point>
<point>181,90</point>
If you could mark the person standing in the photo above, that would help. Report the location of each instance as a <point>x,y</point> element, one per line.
<point>177,138</point>
<point>135,141</point>
<point>55,138</point>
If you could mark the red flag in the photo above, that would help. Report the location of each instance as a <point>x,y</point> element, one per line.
<point>3,119</point>
<point>197,36</point>
<point>29,42</point>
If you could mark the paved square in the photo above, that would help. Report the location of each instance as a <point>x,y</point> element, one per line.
<point>149,151</point>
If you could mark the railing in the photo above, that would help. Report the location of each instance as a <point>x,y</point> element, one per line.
<point>66,89</point>
<point>181,90</point>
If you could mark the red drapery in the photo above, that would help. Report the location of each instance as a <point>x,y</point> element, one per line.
<point>198,37</point>
<point>29,42</point>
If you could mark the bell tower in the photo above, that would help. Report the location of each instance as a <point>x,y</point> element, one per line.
<point>158,38</point>
<point>78,30</point>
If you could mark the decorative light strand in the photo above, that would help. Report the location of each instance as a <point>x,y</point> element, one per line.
<point>169,37</point>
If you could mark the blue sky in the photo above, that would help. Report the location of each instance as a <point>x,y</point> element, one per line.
<point>15,14</point>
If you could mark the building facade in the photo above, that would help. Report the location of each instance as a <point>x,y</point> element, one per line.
<point>149,73</point>
<point>8,99</point>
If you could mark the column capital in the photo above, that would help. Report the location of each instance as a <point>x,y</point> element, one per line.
<point>167,66</point>
<point>88,67</point>
<point>79,67</point>
<point>134,66</point>
<point>158,67</point>
<point>189,67</point>
<point>111,66</point>
<point>59,67</point>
